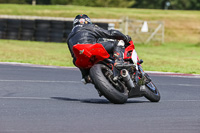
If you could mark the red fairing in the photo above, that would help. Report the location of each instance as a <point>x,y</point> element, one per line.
<point>128,50</point>
<point>89,54</point>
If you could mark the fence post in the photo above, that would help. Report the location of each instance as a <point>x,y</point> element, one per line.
<point>126,25</point>
<point>33,2</point>
<point>163,32</point>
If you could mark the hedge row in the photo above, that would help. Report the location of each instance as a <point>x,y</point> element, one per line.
<point>150,4</point>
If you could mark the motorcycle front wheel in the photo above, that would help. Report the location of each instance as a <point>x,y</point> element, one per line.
<point>101,77</point>
<point>151,92</point>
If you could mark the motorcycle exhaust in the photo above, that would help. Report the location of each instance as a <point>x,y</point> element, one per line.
<point>127,79</point>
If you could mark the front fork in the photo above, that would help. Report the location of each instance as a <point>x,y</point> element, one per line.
<point>145,79</point>
<point>141,80</point>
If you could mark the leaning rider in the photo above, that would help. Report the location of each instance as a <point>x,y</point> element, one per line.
<point>84,32</point>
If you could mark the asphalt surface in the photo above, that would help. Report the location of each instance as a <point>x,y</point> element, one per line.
<point>53,100</point>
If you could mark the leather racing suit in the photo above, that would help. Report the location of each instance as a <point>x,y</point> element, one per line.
<point>90,34</point>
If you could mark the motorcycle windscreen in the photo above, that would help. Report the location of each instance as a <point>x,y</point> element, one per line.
<point>89,54</point>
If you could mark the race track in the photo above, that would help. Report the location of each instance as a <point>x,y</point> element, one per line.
<point>36,99</point>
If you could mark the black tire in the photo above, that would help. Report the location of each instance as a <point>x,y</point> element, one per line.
<point>69,25</point>
<point>2,33</point>
<point>28,24</point>
<point>3,23</point>
<point>27,34</point>
<point>56,35</point>
<point>14,23</point>
<point>12,34</point>
<point>42,35</point>
<point>103,25</point>
<point>103,85</point>
<point>151,92</point>
<point>57,24</point>
<point>43,24</point>
<point>66,33</point>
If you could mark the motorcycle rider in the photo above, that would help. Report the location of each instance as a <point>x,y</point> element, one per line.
<point>84,32</point>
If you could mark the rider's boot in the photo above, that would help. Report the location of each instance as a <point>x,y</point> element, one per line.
<point>118,56</point>
<point>85,76</point>
<point>86,80</point>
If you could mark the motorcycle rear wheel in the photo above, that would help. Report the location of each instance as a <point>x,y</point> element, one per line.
<point>105,87</point>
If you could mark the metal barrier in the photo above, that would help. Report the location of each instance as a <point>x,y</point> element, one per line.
<point>143,31</point>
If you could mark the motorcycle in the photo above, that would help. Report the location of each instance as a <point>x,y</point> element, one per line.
<point>117,85</point>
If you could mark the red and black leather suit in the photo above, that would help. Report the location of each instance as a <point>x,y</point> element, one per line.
<point>90,34</point>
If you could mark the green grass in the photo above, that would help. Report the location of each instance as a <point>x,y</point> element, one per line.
<point>180,26</point>
<point>170,57</point>
<point>95,12</point>
<point>35,52</point>
<point>180,53</point>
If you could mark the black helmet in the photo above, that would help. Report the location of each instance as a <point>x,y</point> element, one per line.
<point>82,19</point>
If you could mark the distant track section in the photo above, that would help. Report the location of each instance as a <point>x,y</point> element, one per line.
<point>156,73</point>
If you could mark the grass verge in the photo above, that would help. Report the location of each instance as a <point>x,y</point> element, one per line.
<point>180,25</point>
<point>35,52</point>
<point>170,57</point>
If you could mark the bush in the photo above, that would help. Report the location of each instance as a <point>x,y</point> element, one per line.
<point>60,2</point>
<point>43,2</point>
<point>13,1</point>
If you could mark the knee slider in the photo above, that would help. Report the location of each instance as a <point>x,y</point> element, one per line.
<point>121,43</point>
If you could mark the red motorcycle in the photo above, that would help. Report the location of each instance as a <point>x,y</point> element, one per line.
<point>129,83</point>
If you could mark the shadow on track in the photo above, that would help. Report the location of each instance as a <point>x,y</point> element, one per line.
<point>95,101</point>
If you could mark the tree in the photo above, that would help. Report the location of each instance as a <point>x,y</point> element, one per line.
<point>174,4</point>
<point>152,4</point>
<point>185,4</point>
<point>104,3</point>
<point>13,1</point>
<point>61,2</point>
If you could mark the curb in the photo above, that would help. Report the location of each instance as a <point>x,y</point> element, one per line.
<point>34,65</point>
<point>172,74</point>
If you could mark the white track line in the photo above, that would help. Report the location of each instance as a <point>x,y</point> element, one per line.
<point>28,98</point>
<point>181,100</point>
<point>195,85</point>
<point>49,98</point>
<point>79,82</point>
<point>40,81</point>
